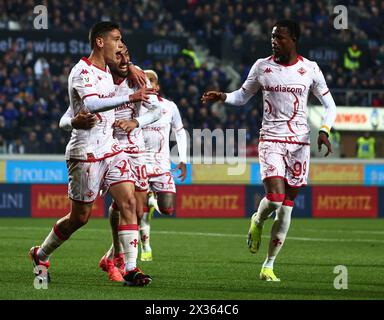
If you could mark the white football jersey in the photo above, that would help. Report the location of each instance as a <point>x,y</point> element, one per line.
<point>132,141</point>
<point>285,94</point>
<point>156,135</point>
<point>97,143</point>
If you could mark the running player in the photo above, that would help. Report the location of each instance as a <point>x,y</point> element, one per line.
<point>158,161</point>
<point>133,144</point>
<point>286,79</point>
<point>94,159</point>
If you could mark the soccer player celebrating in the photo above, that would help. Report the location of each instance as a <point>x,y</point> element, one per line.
<point>133,144</point>
<point>158,161</point>
<point>286,79</point>
<point>94,158</point>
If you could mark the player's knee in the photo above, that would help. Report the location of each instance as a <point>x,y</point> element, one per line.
<point>167,210</point>
<point>128,205</point>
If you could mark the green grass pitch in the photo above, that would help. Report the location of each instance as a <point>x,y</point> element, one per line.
<point>202,259</point>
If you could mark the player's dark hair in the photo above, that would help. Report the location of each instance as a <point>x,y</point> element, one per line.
<point>99,29</point>
<point>292,26</point>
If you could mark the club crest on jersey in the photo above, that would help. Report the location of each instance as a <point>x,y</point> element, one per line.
<point>301,71</point>
<point>84,71</point>
<point>268,70</point>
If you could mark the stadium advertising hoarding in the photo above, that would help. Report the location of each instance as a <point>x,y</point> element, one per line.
<point>220,174</point>
<point>75,44</point>
<point>2,171</point>
<point>15,200</point>
<point>36,172</point>
<point>52,201</point>
<point>201,201</point>
<point>374,175</point>
<point>344,202</point>
<point>337,173</point>
<point>351,119</point>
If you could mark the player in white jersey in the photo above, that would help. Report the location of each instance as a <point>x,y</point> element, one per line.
<point>286,79</point>
<point>94,158</point>
<point>132,142</point>
<point>161,182</point>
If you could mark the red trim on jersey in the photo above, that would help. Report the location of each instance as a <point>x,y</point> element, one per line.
<point>292,186</point>
<point>295,110</point>
<point>159,98</point>
<point>283,141</point>
<point>290,64</point>
<point>179,129</point>
<point>88,95</point>
<point>288,203</point>
<point>79,201</point>
<point>125,227</point>
<point>128,137</point>
<point>114,206</point>
<point>122,181</point>
<point>325,93</point>
<point>275,197</point>
<point>119,81</point>
<point>152,175</point>
<point>86,60</point>
<point>90,159</point>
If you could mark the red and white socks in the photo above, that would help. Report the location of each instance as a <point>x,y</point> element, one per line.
<point>129,239</point>
<point>268,205</point>
<point>279,232</point>
<point>54,240</point>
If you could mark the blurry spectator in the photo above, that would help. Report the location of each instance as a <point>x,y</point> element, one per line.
<point>32,144</point>
<point>335,140</point>
<point>40,65</point>
<point>48,146</point>
<point>3,145</point>
<point>352,58</point>
<point>366,147</point>
<point>16,146</point>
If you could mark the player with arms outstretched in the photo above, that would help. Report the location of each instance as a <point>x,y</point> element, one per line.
<point>286,79</point>
<point>94,158</point>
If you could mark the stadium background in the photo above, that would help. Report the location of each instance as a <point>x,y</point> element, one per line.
<point>194,46</point>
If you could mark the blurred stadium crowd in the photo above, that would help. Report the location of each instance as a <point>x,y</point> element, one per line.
<point>33,90</point>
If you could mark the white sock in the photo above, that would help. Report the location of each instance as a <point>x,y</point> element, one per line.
<point>128,235</point>
<point>50,244</point>
<point>145,229</point>
<point>268,204</point>
<point>279,232</point>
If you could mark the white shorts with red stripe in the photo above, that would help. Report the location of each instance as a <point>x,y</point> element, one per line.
<point>285,160</point>
<point>86,179</point>
<point>162,182</point>
<point>139,169</point>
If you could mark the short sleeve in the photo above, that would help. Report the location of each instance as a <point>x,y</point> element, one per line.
<point>319,86</point>
<point>84,82</point>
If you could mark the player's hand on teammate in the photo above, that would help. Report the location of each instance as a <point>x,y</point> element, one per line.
<point>323,140</point>
<point>183,168</point>
<point>141,95</point>
<point>212,96</point>
<point>84,120</point>
<point>136,77</point>
<point>126,125</point>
